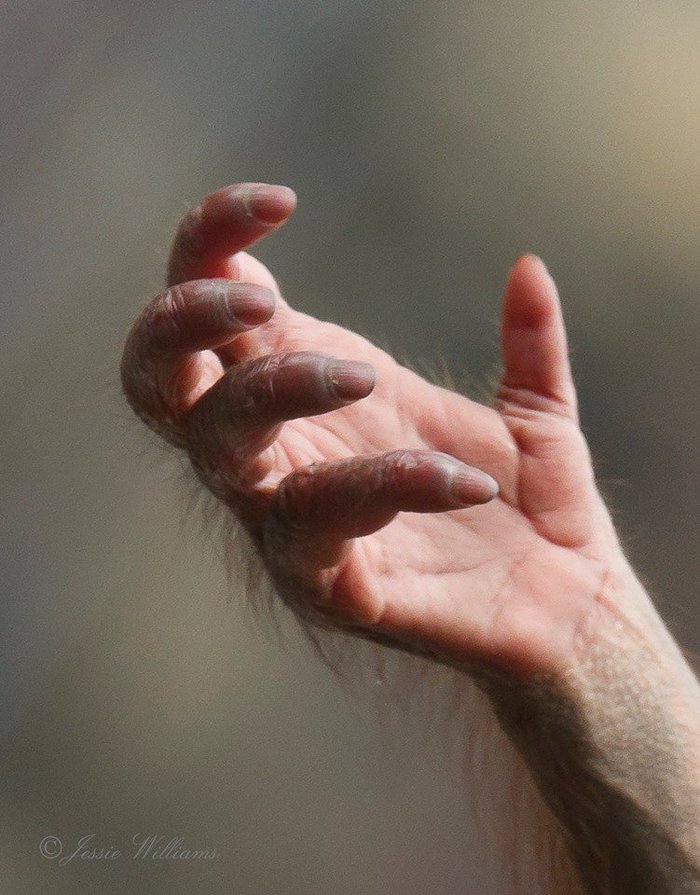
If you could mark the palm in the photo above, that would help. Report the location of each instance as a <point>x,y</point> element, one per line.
<point>454,573</point>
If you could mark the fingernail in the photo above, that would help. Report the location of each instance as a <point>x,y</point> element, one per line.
<point>269,203</point>
<point>252,306</point>
<point>351,380</point>
<point>470,486</point>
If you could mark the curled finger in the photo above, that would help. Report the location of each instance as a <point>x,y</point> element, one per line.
<point>169,359</point>
<point>224,223</point>
<point>232,425</point>
<point>318,510</point>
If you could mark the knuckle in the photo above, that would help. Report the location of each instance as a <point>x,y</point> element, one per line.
<point>148,339</point>
<point>524,400</point>
<point>191,222</point>
<point>210,207</point>
<point>291,512</point>
<point>398,462</point>
<point>165,317</point>
<point>172,305</point>
<point>189,241</point>
<point>256,385</point>
<point>216,299</point>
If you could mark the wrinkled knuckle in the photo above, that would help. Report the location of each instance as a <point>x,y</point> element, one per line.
<point>212,205</point>
<point>201,427</point>
<point>397,463</point>
<point>299,501</point>
<point>141,374</point>
<point>172,305</point>
<point>189,240</point>
<point>257,384</point>
<point>167,317</point>
<point>218,300</point>
<point>237,195</point>
<point>523,400</point>
<point>191,221</point>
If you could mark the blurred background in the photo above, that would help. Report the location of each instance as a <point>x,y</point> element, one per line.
<point>430,144</point>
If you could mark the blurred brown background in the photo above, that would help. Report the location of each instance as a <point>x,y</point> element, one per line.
<point>429,145</point>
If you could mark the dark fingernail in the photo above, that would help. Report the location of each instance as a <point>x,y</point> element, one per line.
<point>351,380</point>
<point>252,306</point>
<point>269,204</point>
<point>470,486</point>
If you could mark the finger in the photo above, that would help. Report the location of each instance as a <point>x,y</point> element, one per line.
<point>224,223</point>
<point>168,361</point>
<point>319,509</point>
<point>536,370</point>
<point>231,426</point>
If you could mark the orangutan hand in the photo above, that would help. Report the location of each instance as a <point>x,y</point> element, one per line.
<point>379,501</point>
<point>412,515</point>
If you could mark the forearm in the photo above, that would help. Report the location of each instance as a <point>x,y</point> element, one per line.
<point>613,743</point>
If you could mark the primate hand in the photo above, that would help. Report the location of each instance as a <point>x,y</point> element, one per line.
<point>406,513</point>
<point>378,500</point>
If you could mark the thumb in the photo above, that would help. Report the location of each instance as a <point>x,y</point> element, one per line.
<point>536,370</point>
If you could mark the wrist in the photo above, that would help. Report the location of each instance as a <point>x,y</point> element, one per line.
<point>623,642</point>
<point>613,743</point>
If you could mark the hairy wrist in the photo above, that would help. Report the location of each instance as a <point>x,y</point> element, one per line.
<point>613,742</point>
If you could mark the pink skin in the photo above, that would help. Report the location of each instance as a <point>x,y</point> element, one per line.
<point>366,488</point>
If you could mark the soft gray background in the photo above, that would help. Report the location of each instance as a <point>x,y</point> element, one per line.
<point>430,144</point>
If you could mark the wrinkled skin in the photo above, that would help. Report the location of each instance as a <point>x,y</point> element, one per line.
<point>364,487</point>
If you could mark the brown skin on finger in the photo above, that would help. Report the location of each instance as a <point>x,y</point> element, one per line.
<point>170,359</point>
<point>318,510</point>
<point>224,223</point>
